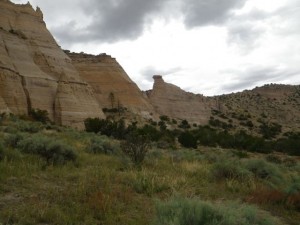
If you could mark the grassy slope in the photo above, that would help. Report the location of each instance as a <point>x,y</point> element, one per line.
<point>107,189</point>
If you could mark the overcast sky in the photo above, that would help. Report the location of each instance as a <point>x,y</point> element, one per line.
<point>204,46</point>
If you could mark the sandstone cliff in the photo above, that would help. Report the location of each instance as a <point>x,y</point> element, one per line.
<point>174,102</point>
<point>111,84</point>
<point>36,73</point>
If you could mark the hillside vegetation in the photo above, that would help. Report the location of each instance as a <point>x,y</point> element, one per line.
<point>57,175</point>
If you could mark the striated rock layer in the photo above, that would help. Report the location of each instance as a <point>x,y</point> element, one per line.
<point>174,102</point>
<point>111,84</point>
<point>36,73</point>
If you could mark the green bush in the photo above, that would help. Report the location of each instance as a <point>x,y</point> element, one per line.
<point>100,145</point>
<point>53,151</point>
<point>264,170</point>
<point>12,140</point>
<point>30,127</point>
<point>196,212</point>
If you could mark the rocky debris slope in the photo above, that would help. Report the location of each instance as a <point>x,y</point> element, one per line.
<point>269,104</point>
<point>36,73</point>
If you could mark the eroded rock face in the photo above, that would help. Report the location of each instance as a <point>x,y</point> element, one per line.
<point>174,102</point>
<point>111,84</point>
<point>31,67</point>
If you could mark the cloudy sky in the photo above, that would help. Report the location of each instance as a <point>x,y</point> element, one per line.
<point>204,46</point>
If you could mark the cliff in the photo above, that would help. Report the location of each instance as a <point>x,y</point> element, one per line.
<point>174,102</point>
<point>111,84</point>
<point>36,73</point>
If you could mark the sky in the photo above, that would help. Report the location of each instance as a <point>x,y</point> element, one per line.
<point>209,47</point>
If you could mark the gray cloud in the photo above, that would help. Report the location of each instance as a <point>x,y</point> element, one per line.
<point>115,20</point>
<point>209,12</point>
<point>251,77</point>
<point>110,20</point>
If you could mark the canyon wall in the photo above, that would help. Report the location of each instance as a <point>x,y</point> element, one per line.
<point>112,86</point>
<point>36,73</point>
<point>174,102</point>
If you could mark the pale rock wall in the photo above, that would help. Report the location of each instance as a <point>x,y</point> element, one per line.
<point>174,102</point>
<point>105,75</point>
<point>31,65</point>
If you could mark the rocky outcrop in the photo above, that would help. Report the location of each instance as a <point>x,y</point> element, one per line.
<point>111,84</point>
<point>174,102</point>
<point>31,67</point>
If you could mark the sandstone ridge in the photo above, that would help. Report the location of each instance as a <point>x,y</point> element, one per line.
<point>36,73</point>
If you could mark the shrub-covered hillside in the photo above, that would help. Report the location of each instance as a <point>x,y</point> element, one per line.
<point>57,175</point>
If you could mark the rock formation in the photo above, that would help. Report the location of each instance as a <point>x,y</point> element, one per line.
<point>174,102</point>
<point>111,84</point>
<point>32,66</point>
<point>36,74</point>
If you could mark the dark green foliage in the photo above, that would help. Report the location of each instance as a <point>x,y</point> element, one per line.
<point>1,151</point>
<point>184,125</point>
<point>218,123</point>
<point>151,132</point>
<point>289,144</point>
<point>196,212</point>
<point>270,131</point>
<point>53,151</point>
<point>164,118</point>
<point>162,125</point>
<point>109,128</point>
<point>135,147</point>
<point>39,115</point>
<point>187,139</point>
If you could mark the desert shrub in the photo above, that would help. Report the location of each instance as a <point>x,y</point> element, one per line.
<point>12,140</point>
<point>195,212</point>
<point>30,127</point>
<point>264,170</point>
<point>100,145</point>
<point>53,151</point>
<point>10,130</point>
<point>135,147</point>
<point>228,169</point>
<point>187,139</point>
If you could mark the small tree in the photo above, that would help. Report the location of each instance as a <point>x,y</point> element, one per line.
<point>39,115</point>
<point>188,140</point>
<point>136,147</point>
